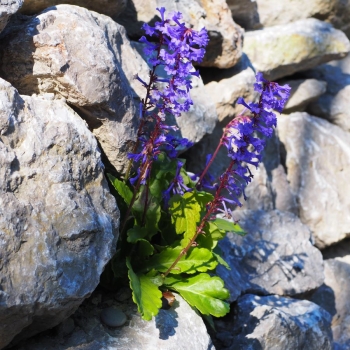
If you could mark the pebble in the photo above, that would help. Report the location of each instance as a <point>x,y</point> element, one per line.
<point>113,317</point>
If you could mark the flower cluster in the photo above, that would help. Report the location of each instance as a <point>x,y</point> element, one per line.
<point>244,137</point>
<point>177,186</point>
<point>176,48</point>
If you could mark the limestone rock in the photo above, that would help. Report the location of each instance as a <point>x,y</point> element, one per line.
<point>226,37</point>
<point>334,105</point>
<point>245,13</point>
<point>282,50</point>
<point>318,158</point>
<point>285,11</point>
<point>85,58</point>
<point>171,329</point>
<point>229,85</point>
<point>272,13</point>
<point>8,8</point>
<point>111,8</point>
<point>304,91</point>
<point>274,323</point>
<point>58,221</point>
<point>333,297</point>
<point>275,257</point>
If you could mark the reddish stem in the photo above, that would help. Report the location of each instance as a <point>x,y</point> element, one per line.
<point>212,207</point>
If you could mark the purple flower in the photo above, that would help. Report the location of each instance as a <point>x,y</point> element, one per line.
<point>178,46</point>
<point>177,186</point>
<point>244,137</point>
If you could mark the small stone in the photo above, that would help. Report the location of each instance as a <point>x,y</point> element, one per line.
<point>113,317</point>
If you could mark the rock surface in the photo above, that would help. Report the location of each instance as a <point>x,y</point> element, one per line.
<point>245,13</point>
<point>304,91</point>
<point>336,12</point>
<point>226,37</point>
<point>275,257</point>
<point>85,58</point>
<point>282,50</point>
<point>58,221</point>
<point>275,323</point>
<point>8,8</point>
<point>334,297</point>
<point>334,105</point>
<point>171,329</point>
<point>230,84</point>
<point>318,158</point>
<point>111,8</point>
<point>272,13</point>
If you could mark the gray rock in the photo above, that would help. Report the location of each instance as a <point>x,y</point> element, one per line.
<point>111,8</point>
<point>245,13</point>
<point>272,13</point>
<point>8,8</point>
<point>226,37</point>
<point>229,85</point>
<point>58,221</point>
<point>113,317</point>
<point>276,323</point>
<point>85,58</point>
<point>171,330</point>
<point>282,50</point>
<point>275,257</point>
<point>334,105</point>
<point>304,91</point>
<point>333,296</point>
<point>318,158</point>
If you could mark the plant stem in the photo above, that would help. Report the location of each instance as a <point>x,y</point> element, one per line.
<point>210,161</point>
<point>211,210</point>
<point>145,105</point>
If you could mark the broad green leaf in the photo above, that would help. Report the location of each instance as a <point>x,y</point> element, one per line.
<point>145,248</point>
<point>203,198</point>
<point>122,189</point>
<point>145,294</point>
<point>153,211</point>
<point>221,261</point>
<point>202,291</point>
<point>185,215</point>
<point>136,233</point>
<point>211,236</point>
<point>196,259</point>
<point>229,226</point>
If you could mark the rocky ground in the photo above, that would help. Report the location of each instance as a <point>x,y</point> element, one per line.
<point>69,108</point>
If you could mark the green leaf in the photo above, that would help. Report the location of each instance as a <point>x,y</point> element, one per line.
<point>153,212</point>
<point>196,259</point>
<point>122,189</point>
<point>185,215</point>
<point>145,249</point>
<point>229,226</point>
<point>145,293</point>
<point>203,198</point>
<point>136,233</point>
<point>205,293</point>
<point>211,236</point>
<point>221,261</point>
